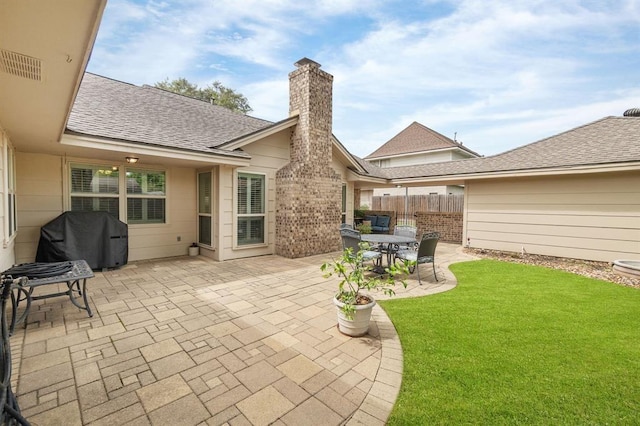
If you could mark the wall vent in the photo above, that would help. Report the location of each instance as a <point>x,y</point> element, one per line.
<point>20,65</point>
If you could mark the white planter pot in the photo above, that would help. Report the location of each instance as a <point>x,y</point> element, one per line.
<point>194,251</point>
<point>359,325</point>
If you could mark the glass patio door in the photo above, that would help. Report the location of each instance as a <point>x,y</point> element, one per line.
<point>205,202</point>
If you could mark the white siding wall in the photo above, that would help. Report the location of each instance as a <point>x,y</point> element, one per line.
<point>267,156</point>
<point>590,216</point>
<point>41,198</point>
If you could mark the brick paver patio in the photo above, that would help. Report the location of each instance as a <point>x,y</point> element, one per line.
<point>191,341</point>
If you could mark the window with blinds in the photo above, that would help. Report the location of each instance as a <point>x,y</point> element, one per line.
<point>250,209</point>
<point>139,195</point>
<point>9,189</point>
<point>146,196</point>
<point>95,188</point>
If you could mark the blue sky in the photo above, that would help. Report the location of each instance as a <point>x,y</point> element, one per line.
<point>499,74</point>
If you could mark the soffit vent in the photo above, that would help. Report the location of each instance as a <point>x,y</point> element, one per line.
<point>20,65</point>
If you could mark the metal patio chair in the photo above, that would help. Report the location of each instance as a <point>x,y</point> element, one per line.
<point>425,253</point>
<point>352,239</point>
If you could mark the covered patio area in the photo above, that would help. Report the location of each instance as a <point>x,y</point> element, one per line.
<point>192,341</point>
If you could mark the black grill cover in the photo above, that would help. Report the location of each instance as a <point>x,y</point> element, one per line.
<point>97,237</point>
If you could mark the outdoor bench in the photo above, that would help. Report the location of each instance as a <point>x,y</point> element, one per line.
<point>379,223</point>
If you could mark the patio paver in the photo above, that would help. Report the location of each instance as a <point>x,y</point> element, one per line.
<point>192,341</point>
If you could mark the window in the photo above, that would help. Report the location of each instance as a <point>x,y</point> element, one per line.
<point>250,209</point>
<point>344,203</point>
<point>10,213</point>
<point>204,208</point>
<point>139,195</point>
<point>146,196</point>
<point>95,188</point>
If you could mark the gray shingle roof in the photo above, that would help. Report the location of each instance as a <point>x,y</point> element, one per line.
<point>611,140</point>
<point>416,138</point>
<point>143,114</point>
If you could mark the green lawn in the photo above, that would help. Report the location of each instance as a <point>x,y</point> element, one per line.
<point>519,344</point>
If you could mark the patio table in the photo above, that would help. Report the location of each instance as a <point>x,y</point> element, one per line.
<point>386,242</point>
<point>75,279</point>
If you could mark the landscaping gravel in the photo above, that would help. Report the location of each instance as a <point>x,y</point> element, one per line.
<point>588,268</point>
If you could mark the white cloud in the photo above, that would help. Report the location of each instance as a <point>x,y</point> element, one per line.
<point>492,70</point>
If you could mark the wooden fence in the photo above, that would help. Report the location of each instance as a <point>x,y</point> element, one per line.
<point>419,203</point>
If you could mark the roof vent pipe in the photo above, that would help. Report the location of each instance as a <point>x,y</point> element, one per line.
<point>633,112</point>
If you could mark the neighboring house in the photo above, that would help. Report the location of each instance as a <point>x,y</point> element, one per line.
<point>417,144</point>
<point>575,194</point>
<point>178,170</point>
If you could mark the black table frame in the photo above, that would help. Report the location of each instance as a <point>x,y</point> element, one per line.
<point>79,272</point>
<point>389,240</point>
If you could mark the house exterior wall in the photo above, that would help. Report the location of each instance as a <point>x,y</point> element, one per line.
<point>41,198</point>
<point>591,216</point>
<point>420,190</point>
<point>413,159</point>
<point>267,156</point>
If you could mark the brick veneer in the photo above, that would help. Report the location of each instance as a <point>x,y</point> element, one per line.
<point>449,225</point>
<point>308,190</point>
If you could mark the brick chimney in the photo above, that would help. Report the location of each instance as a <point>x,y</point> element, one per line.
<point>308,189</point>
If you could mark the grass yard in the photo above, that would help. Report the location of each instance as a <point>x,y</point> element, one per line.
<point>519,344</point>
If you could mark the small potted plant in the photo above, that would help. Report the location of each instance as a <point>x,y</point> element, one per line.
<point>354,307</point>
<point>194,250</point>
<point>364,227</point>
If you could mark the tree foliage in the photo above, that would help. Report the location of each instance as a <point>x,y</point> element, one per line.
<point>214,93</point>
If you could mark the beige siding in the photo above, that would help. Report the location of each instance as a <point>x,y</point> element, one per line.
<point>155,241</point>
<point>267,156</point>
<point>342,171</point>
<point>591,216</point>
<point>41,198</point>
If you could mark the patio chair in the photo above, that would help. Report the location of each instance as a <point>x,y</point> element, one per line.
<point>406,231</point>
<point>351,239</point>
<point>425,253</point>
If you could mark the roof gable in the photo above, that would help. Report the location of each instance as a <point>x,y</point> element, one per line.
<point>414,139</point>
<point>608,141</point>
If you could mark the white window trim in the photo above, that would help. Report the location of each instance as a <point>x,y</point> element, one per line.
<point>210,215</point>
<point>236,246</point>
<point>122,189</point>
<point>9,154</point>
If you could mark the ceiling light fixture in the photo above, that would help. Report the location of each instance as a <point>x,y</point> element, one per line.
<point>132,160</point>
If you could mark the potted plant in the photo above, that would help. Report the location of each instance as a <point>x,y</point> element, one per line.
<point>354,307</point>
<point>364,227</point>
<point>194,250</point>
